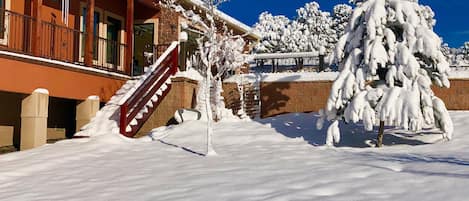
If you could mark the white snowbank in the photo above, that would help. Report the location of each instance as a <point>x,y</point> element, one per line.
<point>190,74</point>
<point>314,76</point>
<point>457,73</point>
<point>284,77</point>
<point>275,159</point>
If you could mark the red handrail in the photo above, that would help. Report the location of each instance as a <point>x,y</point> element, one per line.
<point>138,99</point>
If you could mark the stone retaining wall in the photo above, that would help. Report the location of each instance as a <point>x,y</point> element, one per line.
<point>288,97</point>
<point>182,95</point>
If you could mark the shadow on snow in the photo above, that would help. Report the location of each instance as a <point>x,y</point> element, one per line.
<point>300,125</point>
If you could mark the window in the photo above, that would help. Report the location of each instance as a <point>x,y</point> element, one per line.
<point>95,33</point>
<point>2,19</point>
<point>114,26</point>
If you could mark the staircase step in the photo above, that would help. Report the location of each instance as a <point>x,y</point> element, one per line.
<point>128,128</point>
<point>133,122</point>
<point>139,115</point>
<point>159,92</point>
<point>149,104</point>
<point>154,98</point>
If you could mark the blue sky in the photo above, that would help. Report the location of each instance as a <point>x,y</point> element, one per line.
<point>452,15</point>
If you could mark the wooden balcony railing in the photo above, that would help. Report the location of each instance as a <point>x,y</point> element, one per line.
<point>57,42</point>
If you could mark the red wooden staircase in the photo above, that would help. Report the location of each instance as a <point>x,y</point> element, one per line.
<point>140,102</point>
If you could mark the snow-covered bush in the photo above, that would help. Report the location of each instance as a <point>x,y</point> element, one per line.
<point>389,57</point>
<point>272,29</point>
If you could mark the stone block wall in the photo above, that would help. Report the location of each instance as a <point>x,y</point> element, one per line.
<point>168,27</point>
<point>456,97</point>
<point>182,95</point>
<point>289,97</point>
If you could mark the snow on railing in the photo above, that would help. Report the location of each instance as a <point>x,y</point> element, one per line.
<point>145,90</point>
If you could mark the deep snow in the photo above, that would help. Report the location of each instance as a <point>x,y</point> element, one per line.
<point>280,158</point>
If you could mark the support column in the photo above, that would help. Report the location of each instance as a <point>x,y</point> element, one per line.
<point>34,113</point>
<point>129,37</point>
<point>89,34</point>
<point>86,110</point>
<point>36,27</point>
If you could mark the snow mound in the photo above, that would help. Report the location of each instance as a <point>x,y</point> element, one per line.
<point>279,158</point>
<point>107,118</point>
<point>283,77</point>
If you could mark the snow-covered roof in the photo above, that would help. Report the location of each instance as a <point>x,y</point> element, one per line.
<point>226,18</point>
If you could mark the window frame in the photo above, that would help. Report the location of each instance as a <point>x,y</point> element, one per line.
<point>121,40</point>
<point>7,7</point>
<point>99,35</point>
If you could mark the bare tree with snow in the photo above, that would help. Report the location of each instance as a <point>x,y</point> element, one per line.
<point>389,58</point>
<point>220,51</point>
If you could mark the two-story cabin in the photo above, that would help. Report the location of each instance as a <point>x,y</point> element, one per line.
<point>62,58</point>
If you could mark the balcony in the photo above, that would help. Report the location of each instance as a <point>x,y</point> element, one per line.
<point>57,42</point>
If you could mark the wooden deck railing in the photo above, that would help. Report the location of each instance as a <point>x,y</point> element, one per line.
<point>57,42</point>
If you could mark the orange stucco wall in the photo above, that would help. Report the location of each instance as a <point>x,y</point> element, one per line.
<point>24,77</point>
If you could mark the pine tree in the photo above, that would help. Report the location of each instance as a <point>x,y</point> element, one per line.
<point>272,29</point>
<point>340,18</point>
<point>389,57</point>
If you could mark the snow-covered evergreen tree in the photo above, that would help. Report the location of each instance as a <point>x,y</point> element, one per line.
<point>389,57</point>
<point>296,40</point>
<point>312,31</point>
<point>340,18</point>
<point>465,51</point>
<point>272,29</point>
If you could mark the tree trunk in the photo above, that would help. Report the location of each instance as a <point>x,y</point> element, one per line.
<point>322,63</point>
<point>208,108</point>
<point>379,143</point>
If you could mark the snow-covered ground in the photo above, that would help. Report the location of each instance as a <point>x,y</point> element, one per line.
<point>280,158</point>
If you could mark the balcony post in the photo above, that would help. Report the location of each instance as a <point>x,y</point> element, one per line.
<point>89,35</point>
<point>129,37</point>
<point>36,27</point>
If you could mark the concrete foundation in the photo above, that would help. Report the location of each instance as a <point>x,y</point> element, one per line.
<point>34,112</point>
<point>86,110</point>
<point>6,136</point>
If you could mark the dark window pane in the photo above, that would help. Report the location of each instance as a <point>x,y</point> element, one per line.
<point>112,36</point>
<point>95,33</point>
<point>2,19</point>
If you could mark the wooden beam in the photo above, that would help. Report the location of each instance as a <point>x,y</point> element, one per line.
<point>89,34</point>
<point>36,27</point>
<point>129,37</point>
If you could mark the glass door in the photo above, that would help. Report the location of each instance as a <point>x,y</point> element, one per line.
<point>144,38</point>
<point>113,46</point>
